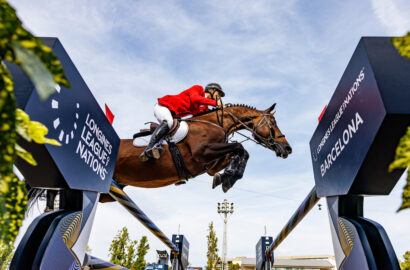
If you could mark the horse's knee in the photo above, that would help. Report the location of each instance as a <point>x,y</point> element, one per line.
<point>239,149</point>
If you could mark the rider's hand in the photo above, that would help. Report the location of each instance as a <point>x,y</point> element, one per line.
<point>219,104</point>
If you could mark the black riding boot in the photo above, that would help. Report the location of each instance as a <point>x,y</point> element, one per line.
<point>153,150</point>
<point>228,172</point>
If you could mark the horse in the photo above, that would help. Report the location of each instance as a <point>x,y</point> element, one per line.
<point>205,148</point>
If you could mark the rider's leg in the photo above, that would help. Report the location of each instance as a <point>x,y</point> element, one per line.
<point>163,113</point>
<point>165,119</point>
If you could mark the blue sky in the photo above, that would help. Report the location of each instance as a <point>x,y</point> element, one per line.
<point>289,52</point>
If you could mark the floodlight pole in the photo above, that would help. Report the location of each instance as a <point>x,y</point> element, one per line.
<point>225,209</point>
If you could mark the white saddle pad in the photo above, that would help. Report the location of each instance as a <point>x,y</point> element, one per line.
<point>179,135</point>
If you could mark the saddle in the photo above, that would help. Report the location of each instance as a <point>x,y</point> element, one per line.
<point>153,126</point>
<point>176,134</point>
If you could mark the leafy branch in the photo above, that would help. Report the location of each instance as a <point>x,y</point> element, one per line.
<point>402,159</point>
<point>19,46</point>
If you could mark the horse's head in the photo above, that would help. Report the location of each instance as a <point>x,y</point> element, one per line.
<point>267,132</point>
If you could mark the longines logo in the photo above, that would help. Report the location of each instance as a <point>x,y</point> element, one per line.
<point>314,155</point>
<point>350,95</point>
<point>80,127</point>
<point>65,135</point>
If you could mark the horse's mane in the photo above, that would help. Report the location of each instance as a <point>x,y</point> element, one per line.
<point>227,106</point>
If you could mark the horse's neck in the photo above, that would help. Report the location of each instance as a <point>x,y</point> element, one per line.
<point>230,117</point>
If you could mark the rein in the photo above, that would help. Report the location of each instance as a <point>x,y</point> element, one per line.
<point>238,122</point>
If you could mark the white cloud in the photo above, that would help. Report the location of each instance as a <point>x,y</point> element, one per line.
<point>393,15</point>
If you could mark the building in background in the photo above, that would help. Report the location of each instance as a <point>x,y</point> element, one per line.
<point>317,262</point>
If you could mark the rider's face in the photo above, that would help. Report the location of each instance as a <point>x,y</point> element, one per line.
<point>216,95</point>
<point>213,95</point>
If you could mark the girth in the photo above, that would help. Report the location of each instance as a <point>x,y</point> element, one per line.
<point>183,172</point>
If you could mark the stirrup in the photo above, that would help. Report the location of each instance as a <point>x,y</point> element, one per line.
<point>155,152</point>
<point>143,156</point>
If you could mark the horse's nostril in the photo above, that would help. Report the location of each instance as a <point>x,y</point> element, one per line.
<point>288,149</point>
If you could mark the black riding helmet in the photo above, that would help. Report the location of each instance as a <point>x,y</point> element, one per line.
<point>215,87</point>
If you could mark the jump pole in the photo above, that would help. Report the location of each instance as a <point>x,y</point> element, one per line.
<point>308,203</point>
<point>122,198</point>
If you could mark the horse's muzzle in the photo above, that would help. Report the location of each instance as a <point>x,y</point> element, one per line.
<point>282,150</point>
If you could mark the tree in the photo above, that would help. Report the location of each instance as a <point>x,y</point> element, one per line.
<point>405,265</point>
<point>233,266</point>
<point>212,254</point>
<point>141,252</point>
<point>125,252</point>
<point>19,46</point>
<point>6,254</point>
<point>402,159</point>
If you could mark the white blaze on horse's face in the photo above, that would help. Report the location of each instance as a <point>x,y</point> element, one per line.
<point>267,128</point>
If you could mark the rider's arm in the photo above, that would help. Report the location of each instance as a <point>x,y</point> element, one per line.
<point>196,97</point>
<point>203,108</point>
<point>203,100</point>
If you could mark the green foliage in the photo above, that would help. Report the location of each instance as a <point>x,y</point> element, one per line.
<point>212,253</point>
<point>141,252</point>
<point>118,246</point>
<point>13,195</point>
<point>405,265</point>
<point>20,47</point>
<point>6,254</point>
<point>233,266</point>
<point>402,44</point>
<point>127,253</point>
<point>402,161</point>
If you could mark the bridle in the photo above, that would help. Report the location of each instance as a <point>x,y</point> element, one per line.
<point>266,142</point>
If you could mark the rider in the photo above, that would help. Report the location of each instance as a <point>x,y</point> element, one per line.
<point>192,101</point>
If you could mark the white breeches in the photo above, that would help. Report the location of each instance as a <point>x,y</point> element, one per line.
<point>163,113</point>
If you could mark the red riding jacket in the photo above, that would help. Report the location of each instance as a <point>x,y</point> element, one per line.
<point>191,101</point>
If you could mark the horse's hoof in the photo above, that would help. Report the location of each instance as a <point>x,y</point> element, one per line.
<point>217,180</point>
<point>225,187</point>
<point>226,184</point>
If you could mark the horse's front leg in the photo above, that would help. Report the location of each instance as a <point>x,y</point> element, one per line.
<point>219,165</point>
<point>232,155</point>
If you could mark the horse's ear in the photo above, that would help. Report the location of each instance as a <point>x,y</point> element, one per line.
<point>268,110</point>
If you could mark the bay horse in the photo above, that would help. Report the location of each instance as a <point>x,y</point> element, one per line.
<point>205,148</point>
